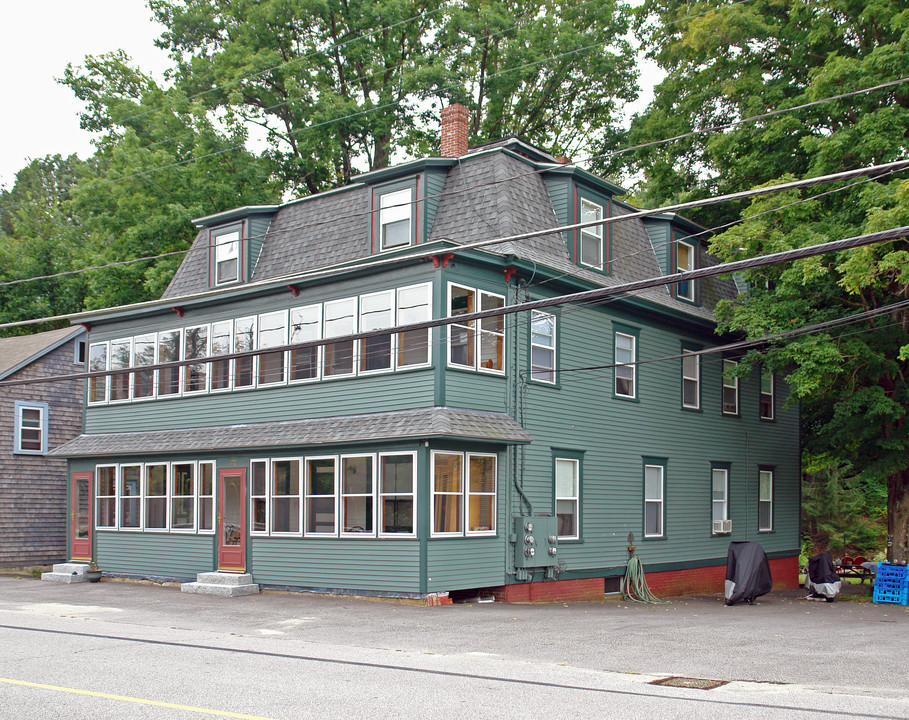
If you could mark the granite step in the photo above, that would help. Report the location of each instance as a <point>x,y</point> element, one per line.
<point>223,584</point>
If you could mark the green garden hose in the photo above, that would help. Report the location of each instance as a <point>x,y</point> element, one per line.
<point>634,586</point>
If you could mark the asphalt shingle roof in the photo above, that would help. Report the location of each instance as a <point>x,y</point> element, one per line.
<point>17,352</point>
<point>400,424</point>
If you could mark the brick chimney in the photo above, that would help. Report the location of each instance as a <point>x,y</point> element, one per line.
<point>454,131</point>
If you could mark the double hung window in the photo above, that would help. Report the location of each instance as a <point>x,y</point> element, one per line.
<point>720,494</point>
<point>220,345</point>
<point>766,404</point>
<point>765,500</point>
<point>144,355</point>
<point>340,319</point>
<point>244,341</point>
<point>395,213</point>
<point>106,496</point>
<point>285,496</point>
<point>396,494</point>
<point>30,428</point>
<point>321,496</point>
<point>97,362</point>
<point>591,250</point>
<point>272,333</point>
<point>195,347</point>
<point>479,348</point>
<point>543,346</point>
<point>567,497</point>
<point>376,313</point>
<point>156,497</point>
<point>730,388</point>
<point>131,497</point>
<point>357,494</point>
<point>691,380</point>
<point>227,257</point>
<point>120,359</point>
<point>414,307</point>
<point>182,496</point>
<point>169,352</point>
<point>625,370</point>
<point>654,494</point>
<point>463,494</point>
<point>685,255</point>
<point>305,326</point>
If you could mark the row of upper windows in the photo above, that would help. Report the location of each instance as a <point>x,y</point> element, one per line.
<point>567,483</point>
<point>355,495</point>
<point>625,378</point>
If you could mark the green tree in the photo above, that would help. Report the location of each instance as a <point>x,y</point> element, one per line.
<point>730,61</point>
<point>341,86</point>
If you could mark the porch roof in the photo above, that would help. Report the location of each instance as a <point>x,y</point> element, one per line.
<point>418,423</point>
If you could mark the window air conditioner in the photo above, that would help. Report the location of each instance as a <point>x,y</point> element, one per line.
<point>722,526</point>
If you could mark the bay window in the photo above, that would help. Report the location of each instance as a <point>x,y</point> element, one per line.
<point>463,493</point>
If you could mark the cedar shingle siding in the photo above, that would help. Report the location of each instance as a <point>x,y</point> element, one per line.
<point>33,487</point>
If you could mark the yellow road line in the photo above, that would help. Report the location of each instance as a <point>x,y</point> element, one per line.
<point>141,701</point>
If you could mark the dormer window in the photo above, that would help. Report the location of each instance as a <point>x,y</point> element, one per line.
<point>395,215</point>
<point>227,257</point>
<point>591,242</point>
<point>685,255</point>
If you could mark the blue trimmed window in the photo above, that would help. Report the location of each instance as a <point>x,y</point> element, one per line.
<point>30,428</point>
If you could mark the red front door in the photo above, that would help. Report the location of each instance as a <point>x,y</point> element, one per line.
<point>81,517</point>
<point>232,520</point>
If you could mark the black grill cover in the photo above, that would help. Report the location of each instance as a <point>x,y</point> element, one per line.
<point>747,572</point>
<point>821,569</point>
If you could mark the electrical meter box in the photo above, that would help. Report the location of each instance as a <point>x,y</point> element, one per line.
<point>537,543</point>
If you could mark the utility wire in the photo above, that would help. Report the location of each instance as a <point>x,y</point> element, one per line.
<point>588,295</point>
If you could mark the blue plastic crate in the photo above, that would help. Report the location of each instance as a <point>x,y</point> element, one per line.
<point>896,596</point>
<point>885,571</point>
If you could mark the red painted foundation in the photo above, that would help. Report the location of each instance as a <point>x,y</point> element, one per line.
<point>692,581</point>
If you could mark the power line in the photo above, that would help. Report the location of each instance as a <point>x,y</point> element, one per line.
<point>585,296</point>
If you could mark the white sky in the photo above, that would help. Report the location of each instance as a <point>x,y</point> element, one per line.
<point>38,39</point>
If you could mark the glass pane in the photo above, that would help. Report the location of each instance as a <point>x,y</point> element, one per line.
<point>107,512</point>
<point>542,329</point>
<point>397,474</point>
<point>447,512</point>
<point>321,477</point>
<point>481,513</point>
<point>447,473</point>
<point>182,517</point>
<point>107,478</point>
<point>320,516</point>
<point>566,478</point>
<point>482,477</point>
<point>765,485</point>
<point>653,483</point>
<point>357,514</point>
<point>232,504</point>
<point>156,513</point>
<point>685,256</point>
<point>258,479</point>
<point>184,479</point>
<point>624,381</point>
<point>566,513</point>
<point>397,515</point>
<point>206,505</point>
<point>461,345</point>
<point>690,365</point>
<point>690,393</point>
<point>206,479</point>
<point>285,514</point>
<point>491,350</point>
<point>719,484</point>
<point>653,524</point>
<point>155,480</point>
<point>396,234</point>
<point>357,475</point>
<point>719,510</point>
<point>624,348</point>
<point>82,494</point>
<point>462,301</point>
<point>286,477</point>
<point>765,518</point>
<point>591,248</point>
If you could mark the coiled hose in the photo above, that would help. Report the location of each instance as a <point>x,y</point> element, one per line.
<point>634,586</point>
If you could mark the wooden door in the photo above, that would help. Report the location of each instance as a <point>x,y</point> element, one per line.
<point>81,517</point>
<point>232,520</point>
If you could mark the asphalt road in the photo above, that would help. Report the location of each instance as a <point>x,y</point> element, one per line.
<point>118,650</point>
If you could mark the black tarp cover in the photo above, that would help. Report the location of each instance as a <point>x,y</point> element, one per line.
<point>747,572</point>
<point>822,578</point>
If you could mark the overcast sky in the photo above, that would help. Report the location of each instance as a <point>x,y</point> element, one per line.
<point>38,39</point>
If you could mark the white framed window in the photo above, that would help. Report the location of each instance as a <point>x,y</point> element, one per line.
<point>183,496</point>
<point>395,212</point>
<point>377,312</point>
<point>767,392</point>
<point>542,346</point>
<point>221,333</point>
<point>397,488</point>
<point>567,497</point>
<point>168,352</point>
<point>79,352</point>
<point>106,496</point>
<point>685,255</point>
<point>285,497</point>
<point>156,497</point>
<point>340,319</point>
<point>321,496</point>
<point>691,380</point>
<point>483,350</point>
<point>463,494</point>
<point>719,494</point>
<point>195,347</point>
<point>244,341</point>
<point>97,362</point>
<point>625,370</point>
<point>591,250</point>
<point>730,388</point>
<point>272,333</point>
<point>358,495</point>
<point>227,257</point>
<point>144,354</point>
<point>258,497</point>
<point>206,511</point>
<point>30,428</point>
<point>130,496</point>
<point>765,500</point>
<point>120,359</point>
<point>305,326</point>
<point>414,304</point>
<point>653,500</point>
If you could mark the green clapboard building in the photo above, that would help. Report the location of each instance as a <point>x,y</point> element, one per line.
<point>413,464</point>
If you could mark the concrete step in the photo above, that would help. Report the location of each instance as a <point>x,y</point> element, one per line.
<point>222,584</point>
<point>67,573</point>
